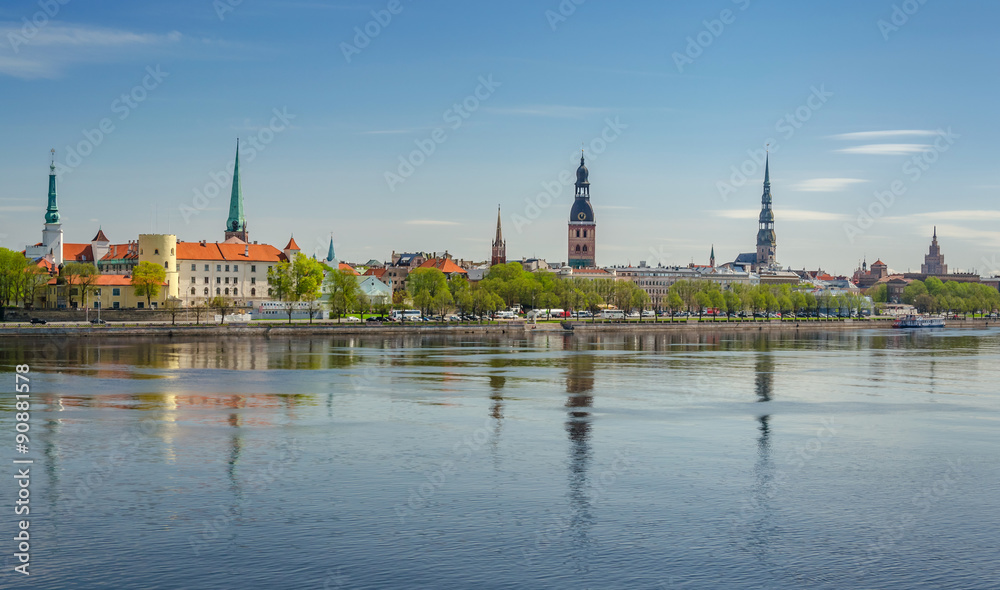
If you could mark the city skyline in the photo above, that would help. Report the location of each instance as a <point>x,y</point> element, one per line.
<point>865,129</point>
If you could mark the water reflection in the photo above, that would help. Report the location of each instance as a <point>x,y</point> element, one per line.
<point>579,387</point>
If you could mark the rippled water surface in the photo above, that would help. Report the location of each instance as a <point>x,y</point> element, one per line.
<point>857,459</point>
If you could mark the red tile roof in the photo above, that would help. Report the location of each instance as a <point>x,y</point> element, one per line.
<point>375,272</point>
<point>348,267</point>
<point>445,265</point>
<point>78,253</point>
<point>292,245</point>
<point>100,237</point>
<point>121,252</point>
<point>233,252</point>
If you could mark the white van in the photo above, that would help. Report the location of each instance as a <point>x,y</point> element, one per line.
<point>406,315</point>
<point>504,315</point>
<point>613,314</point>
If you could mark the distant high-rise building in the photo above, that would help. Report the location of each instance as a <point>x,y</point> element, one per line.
<point>499,254</point>
<point>582,226</point>
<point>934,260</point>
<point>767,241</point>
<point>236,225</point>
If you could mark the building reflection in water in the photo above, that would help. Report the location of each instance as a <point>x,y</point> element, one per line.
<point>580,399</point>
<point>761,523</point>
<point>497,383</point>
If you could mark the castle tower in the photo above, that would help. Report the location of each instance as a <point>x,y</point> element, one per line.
<point>236,225</point>
<point>292,249</point>
<point>582,226</point>
<point>161,250</point>
<point>52,233</point>
<point>767,241</point>
<point>499,254</point>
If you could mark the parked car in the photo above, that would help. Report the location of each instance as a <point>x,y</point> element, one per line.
<point>98,322</point>
<point>649,313</point>
<point>377,319</point>
<point>37,321</point>
<point>351,318</point>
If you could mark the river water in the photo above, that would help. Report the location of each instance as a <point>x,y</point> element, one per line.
<point>839,459</point>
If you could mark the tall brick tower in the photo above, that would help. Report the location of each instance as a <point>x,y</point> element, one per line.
<point>767,242</point>
<point>499,255</point>
<point>582,227</point>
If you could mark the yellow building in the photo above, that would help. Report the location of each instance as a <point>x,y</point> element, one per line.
<point>107,292</point>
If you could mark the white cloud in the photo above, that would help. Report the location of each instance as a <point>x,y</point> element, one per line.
<point>783,215</point>
<point>826,185</point>
<point>887,149</point>
<point>46,51</point>
<point>552,111</point>
<point>870,135</point>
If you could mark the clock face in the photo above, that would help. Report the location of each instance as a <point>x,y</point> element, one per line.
<point>581,215</point>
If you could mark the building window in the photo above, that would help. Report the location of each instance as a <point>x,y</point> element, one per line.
<point>171,251</point>
<point>194,280</point>
<point>218,268</point>
<point>193,267</point>
<point>218,291</point>
<point>114,305</point>
<point>116,291</point>
<point>156,252</point>
<point>206,268</point>
<point>253,268</point>
<point>227,280</point>
<point>235,292</point>
<point>235,279</point>
<point>584,233</point>
<point>227,290</point>
<point>218,280</point>
<point>192,290</point>
<point>166,265</point>
<point>140,305</point>
<point>227,268</point>
<point>206,290</point>
<point>97,305</point>
<point>236,267</point>
<point>584,248</point>
<point>253,292</point>
<point>206,280</point>
<point>253,280</point>
<point>578,247</point>
<point>578,233</point>
<point>97,292</point>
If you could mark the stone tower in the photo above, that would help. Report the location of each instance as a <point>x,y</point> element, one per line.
<point>582,226</point>
<point>499,254</point>
<point>766,239</point>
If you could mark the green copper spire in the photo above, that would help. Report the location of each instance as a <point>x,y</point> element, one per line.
<point>331,256</point>
<point>236,222</point>
<point>52,213</point>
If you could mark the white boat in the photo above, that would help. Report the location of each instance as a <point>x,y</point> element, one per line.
<point>915,321</point>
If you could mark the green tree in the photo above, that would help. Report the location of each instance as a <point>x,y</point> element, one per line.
<point>343,290</point>
<point>147,279</point>
<point>425,284</point>
<point>223,304</point>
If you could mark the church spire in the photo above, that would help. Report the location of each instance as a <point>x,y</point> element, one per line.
<point>766,238</point>
<point>711,258</point>
<point>499,254</point>
<point>52,212</point>
<point>331,256</point>
<point>236,225</point>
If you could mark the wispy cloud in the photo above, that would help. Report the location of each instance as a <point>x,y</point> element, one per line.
<point>51,49</point>
<point>871,135</point>
<point>886,149</point>
<point>956,215</point>
<point>431,222</point>
<point>826,185</point>
<point>551,110</point>
<point>783,215</point>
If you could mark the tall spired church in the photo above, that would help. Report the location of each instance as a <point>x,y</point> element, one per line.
<point>582,227</point>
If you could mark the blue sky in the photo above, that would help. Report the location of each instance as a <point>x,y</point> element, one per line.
<point>685,92</point>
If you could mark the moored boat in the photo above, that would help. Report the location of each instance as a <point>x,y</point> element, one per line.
<point>915,321</point>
